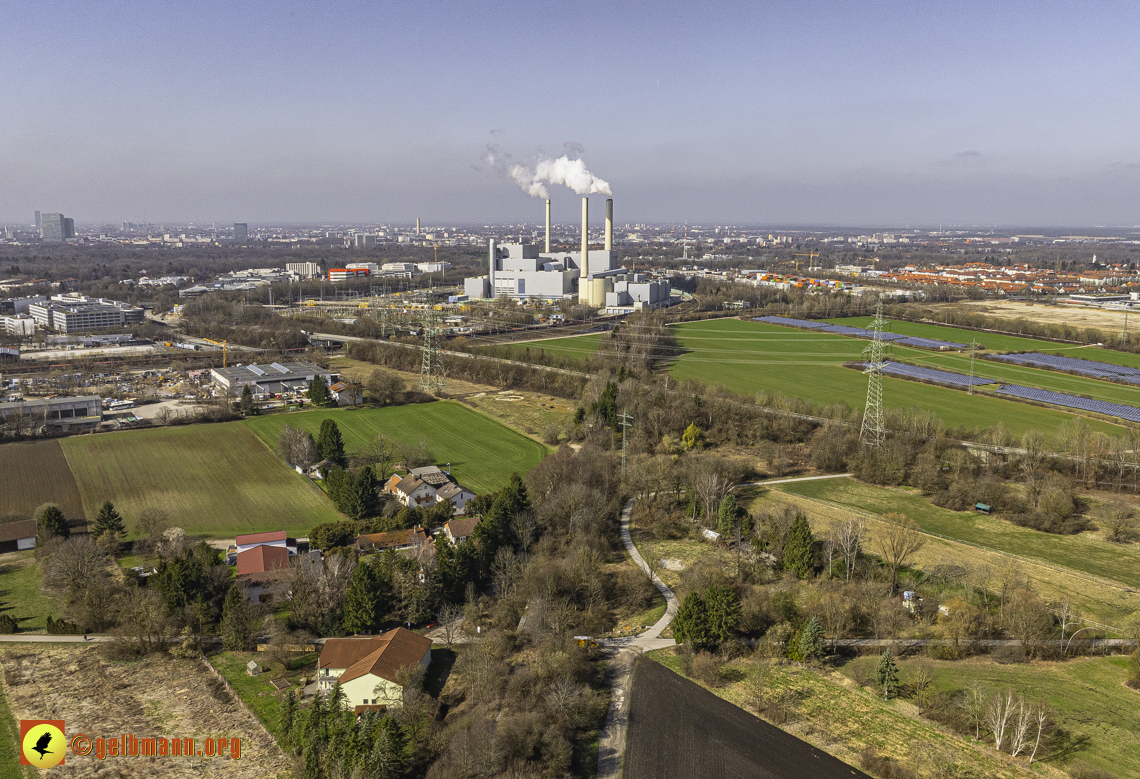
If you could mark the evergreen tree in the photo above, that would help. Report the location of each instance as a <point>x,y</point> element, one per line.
<point>288,714</point>
<point>247,407</point>
<point>812,640</point>
<point>109,524</point>
<point>727,516</point>
<point>318,392</point>
<point>887,675</point>
<point>690,626</point>
<point>606,406</point>
<point>798,554</point>
<point>52,524</point>
<point>330,444</point>
<point>239,621</point>
<point>364,599</point>
<point>722,614</point>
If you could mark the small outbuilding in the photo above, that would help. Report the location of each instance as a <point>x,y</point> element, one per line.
<point>253,668</point>
<point>983,508</point>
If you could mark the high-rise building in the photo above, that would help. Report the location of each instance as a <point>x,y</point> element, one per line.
<point>68,228</point>
<point>37,220</point>
<point>241,232</point>
<point>53,228</point>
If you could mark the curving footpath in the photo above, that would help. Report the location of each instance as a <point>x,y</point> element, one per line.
<point>624,651</point>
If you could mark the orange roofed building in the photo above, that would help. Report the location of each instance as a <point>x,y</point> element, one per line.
<point>369,669</point>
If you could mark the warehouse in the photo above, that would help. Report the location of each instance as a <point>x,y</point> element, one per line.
<point>270,379</point>
<point>79,313</point>
<point>69,414</point>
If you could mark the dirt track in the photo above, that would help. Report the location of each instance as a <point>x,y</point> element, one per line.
<point>158,696</point>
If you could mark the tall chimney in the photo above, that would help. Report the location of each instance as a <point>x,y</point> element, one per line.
<point>585,265</point>
<point>417,225</point>
<point>491,266</point>
<point>548,225</point>
<point>609,225</point>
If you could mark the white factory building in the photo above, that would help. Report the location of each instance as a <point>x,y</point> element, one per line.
<point>521,270</point>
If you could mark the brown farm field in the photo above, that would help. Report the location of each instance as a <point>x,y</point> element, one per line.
<point>155,697</point>
<point>35,473</point>
<point>1077,316</point>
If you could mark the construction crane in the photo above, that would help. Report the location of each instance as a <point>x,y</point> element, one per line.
<point>811,259</point>
<point>225,349</point>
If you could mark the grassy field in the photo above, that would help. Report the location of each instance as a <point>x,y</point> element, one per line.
<point>483,454</point>
<point>10,743</point>
<point>749,357</point>
<point>1088,695</point>
<point>212,479</point>
<point>35,473</point>
<point>575,346</point>
<point>842,719</point>
<point>20,593</point>
<point>255,691</point>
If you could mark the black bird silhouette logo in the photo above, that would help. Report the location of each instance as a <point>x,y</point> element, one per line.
<point>42,745</point>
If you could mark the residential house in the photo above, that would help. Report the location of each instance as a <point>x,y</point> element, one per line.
<point>272,538</point>
<point>459,530</point>
<point>18,535</point>
<point>393,539</point>
<point>369,669</point>
<point>262,569</point>
<point>411,491</point>
<point>344,395</point>
<point>458,495</point>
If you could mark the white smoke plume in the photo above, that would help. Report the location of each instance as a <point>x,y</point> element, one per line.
<point>568,170</point>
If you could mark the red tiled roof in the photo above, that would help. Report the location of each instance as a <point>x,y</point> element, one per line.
<point>381,656</point>
<point>262,558</point>
<point>392,538</point>
<point>261,538</point>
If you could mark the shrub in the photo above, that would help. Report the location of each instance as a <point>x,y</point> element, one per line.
<point>1134,670</point>
<point>8,624</point>
<point>1079,769</point>
<point>707,668</point>
<point>884,767</point>
<point>61,627</point>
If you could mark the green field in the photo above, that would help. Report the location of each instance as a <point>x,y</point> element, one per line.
<point>483,454</point>
<point>1080,552</point>
<point>1088,695</point>
<point>749,357</point>
<point>578,347</point>
<point>20,592</point>
<point>216,480</point>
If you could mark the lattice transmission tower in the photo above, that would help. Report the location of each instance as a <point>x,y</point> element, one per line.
<point>433,377</point>
<point>874,431</point>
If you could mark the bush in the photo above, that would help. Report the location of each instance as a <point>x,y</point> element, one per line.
<point>1134,670</point>
<point>883,767</point>
<point>1052,523</point>
<point>707,668</point>
<point>1079,769</point>
<point>61,627</point>
<point>8,624</point>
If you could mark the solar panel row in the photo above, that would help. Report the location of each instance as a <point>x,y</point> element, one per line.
<point>1097,370</point>
<point>1119,410</point>
<point>931,374</point>
<point>859,332</point>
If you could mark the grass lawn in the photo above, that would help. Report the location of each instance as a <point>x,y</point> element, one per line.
<point>256,692</point>
<point>576,347</point>
<point>216,480</point>
<point>1087,693</point>
<point>533,415</point>
<point>21,594</point>
<point>483,454</point>
<point>749,357</point>
<point>842,719</point>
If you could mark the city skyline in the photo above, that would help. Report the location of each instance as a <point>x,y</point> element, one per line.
<point>826,114</point>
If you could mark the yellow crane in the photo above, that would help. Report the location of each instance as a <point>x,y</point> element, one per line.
<point>811,259</point>
<point>225,349</point>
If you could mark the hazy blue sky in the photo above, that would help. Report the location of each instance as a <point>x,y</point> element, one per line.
<point>849,112</point>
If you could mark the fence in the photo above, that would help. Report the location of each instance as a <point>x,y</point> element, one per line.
<point>225,683</point>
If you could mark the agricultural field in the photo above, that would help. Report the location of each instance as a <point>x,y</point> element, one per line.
<point>1088,694</point>
<point>158,696</point>
<point>1066,315</point>
<point>483,454</point>
<point>575,347</point>
<point>705,736</point>
<point>214,480</point>
<point>35,473</point>
<point>21,595</point>
<point>750,357</point>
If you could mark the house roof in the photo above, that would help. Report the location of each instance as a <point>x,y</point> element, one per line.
<point>392,538</point>
<point>261,559</point>
<point>14,531</point>
<point>261,538</point>
<point>449,491</point>
<point>462,528</point>
<point>381,656</point>
<point>430,474</point>
<point>410,484</point>
<point>340,386</point>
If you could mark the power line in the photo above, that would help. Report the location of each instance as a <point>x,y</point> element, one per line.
<point>873,433</point>
<point>433,377</point>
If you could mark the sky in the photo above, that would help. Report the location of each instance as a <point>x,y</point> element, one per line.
<point>848,113</point>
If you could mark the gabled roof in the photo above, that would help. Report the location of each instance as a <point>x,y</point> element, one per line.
<point>262,558</point>
<point>392,538</point>
<point>381,656</point>
<point>410,484</point>
<point>261,538</point>
<point>449,491</point>
<point>14,531</point>
<point>430,474</point>
<point>462,528</point>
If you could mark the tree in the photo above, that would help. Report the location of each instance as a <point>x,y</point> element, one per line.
<point>364,604</point>
<point>319,392</point>
<point>811,640</point>
<point>722,614</point>
<point>379,454</point>
<point>974,700</point>
<point>330,444</point>
<point>241,620</point>
<point>690,626</point>
<point>727,516</point>
<point>798,554</point>
<point>51,524</point>
<point>849,538</point>
<point>692,438</point>
<point>384,387</point>
<point>999,712</point>
<point>109,528</point>
<point>296,447</point>
<point>887,675</point>
<point>1118,521</point>
<point>247,406</point>
<point>1028,620</point>
<point>351,491</point>
<point>328,535</point>
<point>1043,722</point>
<point>899,540</point>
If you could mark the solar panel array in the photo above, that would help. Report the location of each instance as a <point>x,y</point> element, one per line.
<point>930,374</point>
<point>1098,370</point>
<point>858,332</point>
<point>1119,410</point>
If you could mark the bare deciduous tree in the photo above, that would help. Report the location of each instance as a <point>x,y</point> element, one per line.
<point>850,537</point>
<point>450,622</point>
<point>999,713</point>
<point>898,540</point>
<point>974,701</point>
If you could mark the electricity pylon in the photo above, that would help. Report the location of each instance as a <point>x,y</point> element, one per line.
<point>433,378</point>
<point>873,433</point>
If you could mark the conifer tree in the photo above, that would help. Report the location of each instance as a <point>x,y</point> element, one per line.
<point>811,640</point>
<point>247,400</point>
<point>722,614</point>
<point>798,555</point>
<point>318,392</point>
<point>109,525</point>
<point>52,524</point>
<point>726,516</point>
<point>887,675</point>
<point>690,626</point>
<point>364,599</point>
<point>330,444</point>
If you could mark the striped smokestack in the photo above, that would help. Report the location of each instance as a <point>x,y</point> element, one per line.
<point>585,269</point>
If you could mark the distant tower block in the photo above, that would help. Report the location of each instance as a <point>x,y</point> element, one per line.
<point>417,225</point>
<point>241,232</point>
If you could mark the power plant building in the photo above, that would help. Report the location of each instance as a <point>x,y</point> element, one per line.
<point>521,271</point>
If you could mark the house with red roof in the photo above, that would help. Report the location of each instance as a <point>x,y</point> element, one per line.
<point>372,671</point>
<point>261,570</point>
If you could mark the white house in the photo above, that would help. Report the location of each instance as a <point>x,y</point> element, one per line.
<point>368,669</point>
<point>459,530</point>
<point>457,495</point>
<point>344,395</point>
<point>272,538</point>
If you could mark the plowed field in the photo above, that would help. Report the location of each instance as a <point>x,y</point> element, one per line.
<point>35,473</point>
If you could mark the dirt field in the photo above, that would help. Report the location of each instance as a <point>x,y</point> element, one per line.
<point>707,736</point>
<point>1078,316</point>
<point>155,697</point>
<point>35,473</point>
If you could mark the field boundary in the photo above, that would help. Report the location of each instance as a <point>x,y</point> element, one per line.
<point>225,683</point>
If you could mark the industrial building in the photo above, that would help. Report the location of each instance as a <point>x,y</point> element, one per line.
<point>79,313</point>
<point>68,414</point>
<point>306,270</point>
<point>271,379</point>
<point>593,276</point>
<point>344,274</point>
